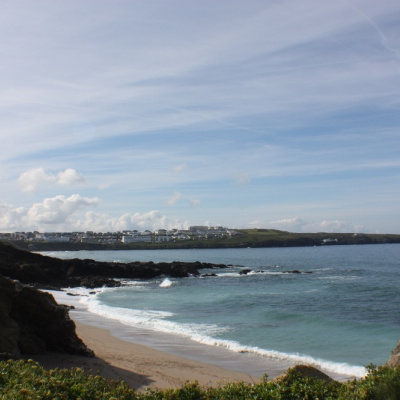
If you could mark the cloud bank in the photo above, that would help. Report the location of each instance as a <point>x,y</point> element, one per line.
<point>75,213</point>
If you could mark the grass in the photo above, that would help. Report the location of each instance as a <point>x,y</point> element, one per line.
<point>28,380</point>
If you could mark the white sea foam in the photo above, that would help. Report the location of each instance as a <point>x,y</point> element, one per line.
<point>166,283</point>
<point>338,278</point>
<point>251,273</point>
<point>149,319</point>
<point>203,333</point>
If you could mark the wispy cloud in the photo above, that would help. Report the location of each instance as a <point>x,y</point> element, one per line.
<point>297,224</point>
<point>180,168</point>
<point>174,198</point>
<point>242,179</point>
<point>298,101</point>
<point>195,202</point>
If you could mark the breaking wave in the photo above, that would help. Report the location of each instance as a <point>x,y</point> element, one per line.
<point>205,334</point>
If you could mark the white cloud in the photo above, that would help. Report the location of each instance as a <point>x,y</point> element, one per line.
<point>69,177</point>
<point>255,224</point>
<point>62,213</point>
<point>297,224</point>
<point>29,181</point>
<point>11,218</point>
<point>151,220</point>
<point>333,226</point>
<point>174,198</point>
<point>288,224</point>
<point>58,210</point>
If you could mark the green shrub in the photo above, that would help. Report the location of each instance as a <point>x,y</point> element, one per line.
<point>28,380</point>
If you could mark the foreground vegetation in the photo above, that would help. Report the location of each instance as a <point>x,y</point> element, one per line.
<point>28,380</point>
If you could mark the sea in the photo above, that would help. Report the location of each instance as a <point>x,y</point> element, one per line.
<point>333,307</point>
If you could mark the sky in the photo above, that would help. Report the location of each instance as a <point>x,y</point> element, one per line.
<point>148,114</point>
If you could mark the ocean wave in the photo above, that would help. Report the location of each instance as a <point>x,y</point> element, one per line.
<point>256,272</point>
<point>338,278</point>
<point>335,367</point>
<point>203,334</point>
<point>166,283</point>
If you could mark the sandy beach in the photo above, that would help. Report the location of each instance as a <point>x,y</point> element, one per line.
<point>139,366</point>
<point>144,359</point>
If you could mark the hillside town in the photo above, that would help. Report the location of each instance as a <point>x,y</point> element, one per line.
<point>126,236</point>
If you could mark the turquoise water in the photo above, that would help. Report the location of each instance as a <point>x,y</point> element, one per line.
<point>340,313</point>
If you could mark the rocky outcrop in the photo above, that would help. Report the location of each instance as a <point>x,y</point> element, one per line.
<point>245,271</point>
<point>394,360</point>
<point>31,322</point>
<point>305,371</point>
<point>53,273</point>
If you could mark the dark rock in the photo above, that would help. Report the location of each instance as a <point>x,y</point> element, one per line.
<point>244,271</point>
<point>394,360</point>
<point>305,371</point>
<point>311,372</point>
<point>206,275</point>
<point>53,273</point>
<point>296,271</point>
<point>8,356</point>
<point>31,322</point>
<point>9,328</point>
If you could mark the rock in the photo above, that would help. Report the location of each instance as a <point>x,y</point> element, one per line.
<point>305,371</point>
<point>9,328</point>
<point>53,273</point>
<point>31,322</point>
<point>245,271</point>
<point>296,271</point>
<point>394,360</point>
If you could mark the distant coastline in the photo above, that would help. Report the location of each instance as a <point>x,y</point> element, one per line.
<point>248,238</point>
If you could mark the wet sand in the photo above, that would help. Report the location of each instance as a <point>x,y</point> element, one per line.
<point>141,367</point>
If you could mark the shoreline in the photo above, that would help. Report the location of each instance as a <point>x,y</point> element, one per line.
<point>176,346</point>
<point>141,367</point>
<point>147,359</point>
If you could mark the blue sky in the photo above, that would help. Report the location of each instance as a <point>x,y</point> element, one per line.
<point>164,114</point>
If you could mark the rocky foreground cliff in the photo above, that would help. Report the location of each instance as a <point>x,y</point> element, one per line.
<point>31,322</point>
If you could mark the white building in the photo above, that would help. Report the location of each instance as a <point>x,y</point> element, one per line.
<point>59,239</point>
<point>136,238</point>
<point>163,238</point>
